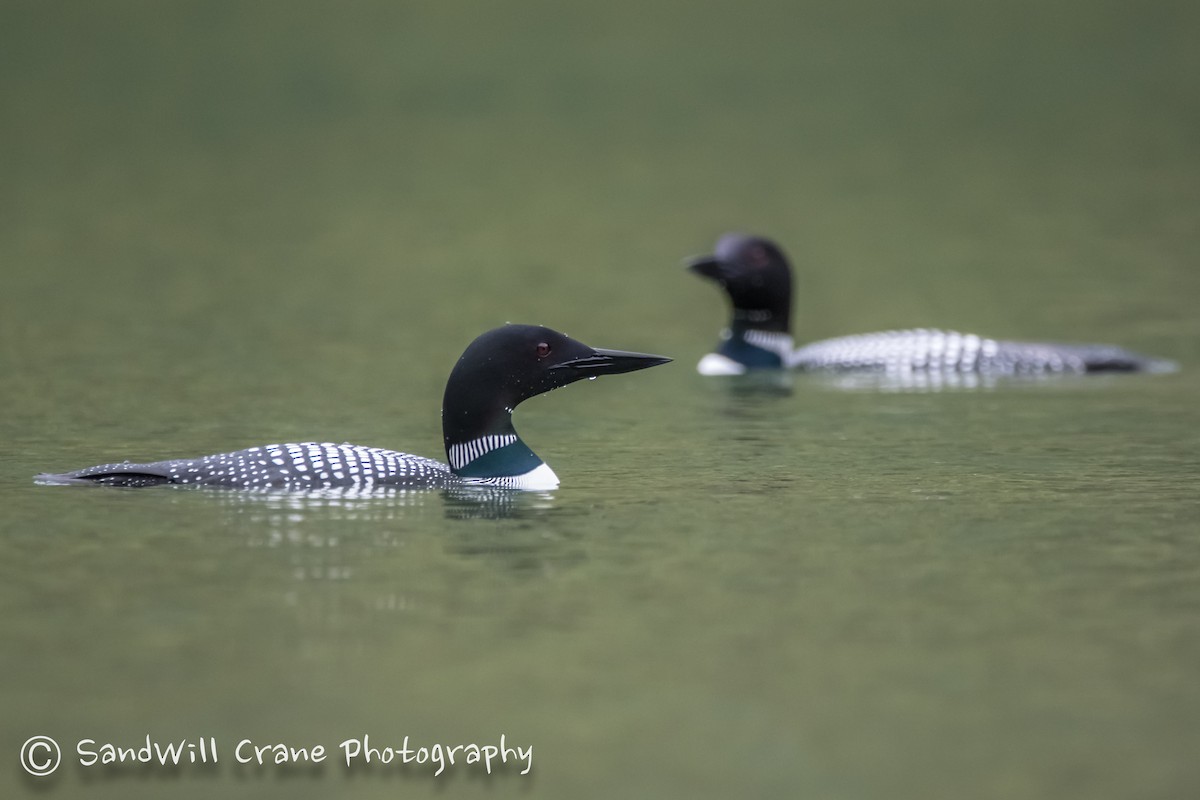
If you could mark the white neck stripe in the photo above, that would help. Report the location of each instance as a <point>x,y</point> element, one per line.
<point>465,452</point>
<point>780,344</point>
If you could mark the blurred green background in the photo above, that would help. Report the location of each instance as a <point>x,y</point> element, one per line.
<point>225,224</point>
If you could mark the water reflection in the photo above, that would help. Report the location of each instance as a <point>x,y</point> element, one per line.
<point>368,520</point>
<point>912,381</point>
<point>339,558</point>
<point>492,503</point>
<point>760,383</point>
<point>381,504</point>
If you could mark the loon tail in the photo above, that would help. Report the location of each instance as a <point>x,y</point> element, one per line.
<point>126,474</point>
<point>1138,364</point>
<point>1109,358</point>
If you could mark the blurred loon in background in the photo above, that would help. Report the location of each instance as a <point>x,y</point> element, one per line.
<point>756,275</point>
<point>495,373</point>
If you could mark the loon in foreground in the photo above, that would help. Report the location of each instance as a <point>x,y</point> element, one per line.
<point>495,373</point>
<point>756,275</point>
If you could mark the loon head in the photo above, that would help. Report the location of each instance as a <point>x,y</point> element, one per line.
<point>756,276</point>
<point>499,370</point>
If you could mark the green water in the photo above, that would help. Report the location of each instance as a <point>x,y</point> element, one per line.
<point>231,224</point>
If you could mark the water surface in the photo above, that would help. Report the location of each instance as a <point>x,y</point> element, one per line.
<point>226,226</point>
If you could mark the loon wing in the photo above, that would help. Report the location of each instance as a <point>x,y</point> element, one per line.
<point>298,466</point>
<point>950,351</point>
<point>903,350</point>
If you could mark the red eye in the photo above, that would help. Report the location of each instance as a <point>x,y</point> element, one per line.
<point>543,350</point>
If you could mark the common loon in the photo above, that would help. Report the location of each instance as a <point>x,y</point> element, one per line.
<point>495,373</point>
<point>756,275</point>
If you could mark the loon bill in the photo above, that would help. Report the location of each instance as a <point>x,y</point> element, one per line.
<point>757,278</point>
<point>496,372</point>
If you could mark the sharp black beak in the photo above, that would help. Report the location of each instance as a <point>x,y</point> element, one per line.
<point>709,267</point>
<point>611,362</point>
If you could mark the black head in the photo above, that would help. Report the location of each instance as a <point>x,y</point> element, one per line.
<point>512,363</point>
<point>756,275</point>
